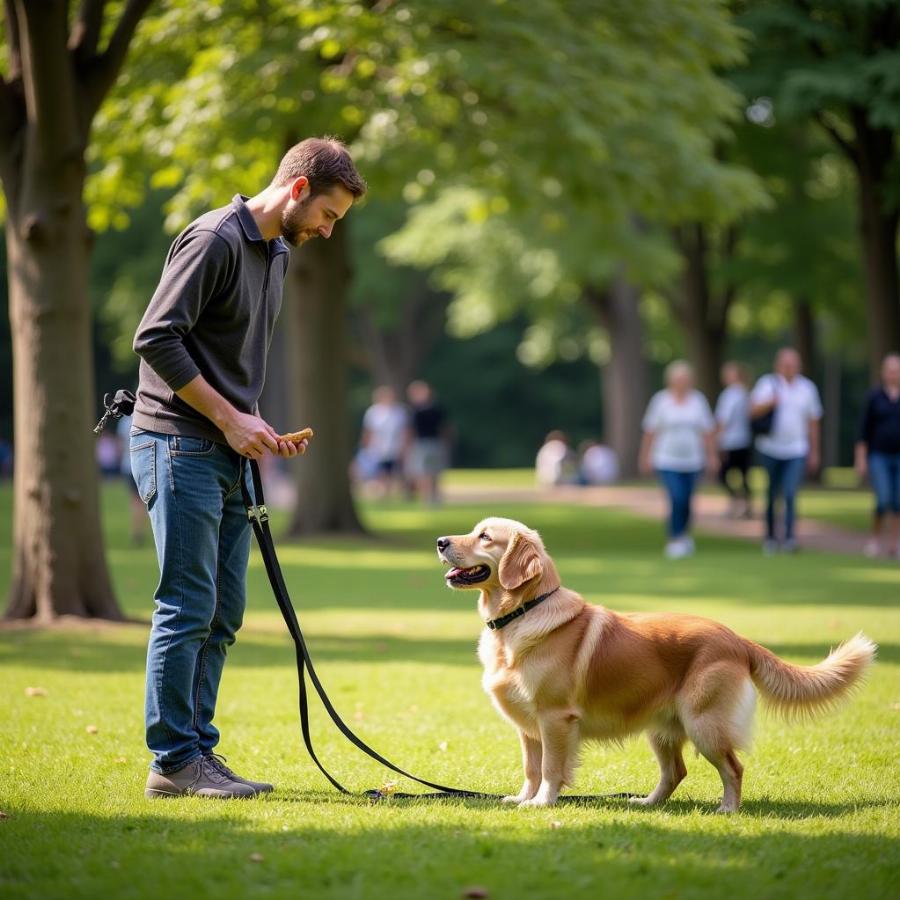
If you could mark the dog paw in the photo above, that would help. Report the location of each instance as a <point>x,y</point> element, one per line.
<point>536,802</point>
<point>513,798</point>
<point>641,801</point>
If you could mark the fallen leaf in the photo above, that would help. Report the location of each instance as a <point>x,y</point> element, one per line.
<point>442,745</point>
<point>389,787</point>
<point>556,824</point>
<point>477,893</point>
<point>121,760</point>
<point>256,857</point>
<point>92,729</point>
<point>35,692</point>
<point>3,815</point>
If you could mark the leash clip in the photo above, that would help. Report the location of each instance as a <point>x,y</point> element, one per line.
<point>258,514</point>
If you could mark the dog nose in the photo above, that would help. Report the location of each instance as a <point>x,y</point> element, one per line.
<point>442,544</point>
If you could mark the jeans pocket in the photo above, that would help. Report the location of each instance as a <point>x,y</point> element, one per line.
<point>182,445</point>
<point>143,469</point>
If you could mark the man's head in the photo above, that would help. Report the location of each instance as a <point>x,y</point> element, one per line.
<point>787,363</point>
<point>320,183</point>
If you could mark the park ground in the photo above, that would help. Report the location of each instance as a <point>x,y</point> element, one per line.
<point>396,651</point>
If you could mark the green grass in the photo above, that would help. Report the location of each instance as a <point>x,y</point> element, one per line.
<point>396,651</point>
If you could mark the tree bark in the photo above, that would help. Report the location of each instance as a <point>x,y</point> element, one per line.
<point>395,356</point>
<point>624,377</point>
<point>54,86</point>
<point>875,160</point>
<point>317,280</point>
<point>805,335</point>
<point>701,315</point>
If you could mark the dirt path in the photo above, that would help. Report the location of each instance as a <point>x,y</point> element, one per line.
<point>709,512</point>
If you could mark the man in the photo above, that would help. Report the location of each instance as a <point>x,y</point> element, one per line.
<point>792,443</point>
<point>203,343</point>
<point>429,438</point>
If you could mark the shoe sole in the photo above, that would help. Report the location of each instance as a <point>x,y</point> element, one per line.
<point>152,794</point>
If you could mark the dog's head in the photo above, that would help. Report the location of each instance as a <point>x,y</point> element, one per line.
<point>496,553</point>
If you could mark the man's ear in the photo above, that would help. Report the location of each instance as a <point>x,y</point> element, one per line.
<point>520,563</point>
<point>300,188</point>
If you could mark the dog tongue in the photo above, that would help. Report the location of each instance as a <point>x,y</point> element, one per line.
<point>454,572</point>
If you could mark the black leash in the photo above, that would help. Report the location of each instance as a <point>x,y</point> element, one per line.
<point>259,519</point>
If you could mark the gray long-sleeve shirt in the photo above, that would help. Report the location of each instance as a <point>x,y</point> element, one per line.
<point>213,314</point>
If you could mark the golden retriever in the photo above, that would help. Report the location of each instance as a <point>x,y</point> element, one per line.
<point>563,670</point>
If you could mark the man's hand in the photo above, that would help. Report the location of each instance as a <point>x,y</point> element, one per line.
<point>252,436</point>
<point>812,462</point>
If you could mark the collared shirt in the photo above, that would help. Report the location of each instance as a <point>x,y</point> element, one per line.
<point>797,403</point>
<point>678,428</point>
<point>213,313</point>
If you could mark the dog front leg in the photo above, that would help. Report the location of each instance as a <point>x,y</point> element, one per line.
<point>531,762</point>
<point>559,742</point>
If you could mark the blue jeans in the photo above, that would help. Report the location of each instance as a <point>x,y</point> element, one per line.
<point>884,473</point>
<point>785,476</point>
<point>192,490</point>
<point>680,488</point>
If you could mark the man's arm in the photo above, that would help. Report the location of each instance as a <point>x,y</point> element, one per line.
<point>247,434</point>
<point>815,431</point>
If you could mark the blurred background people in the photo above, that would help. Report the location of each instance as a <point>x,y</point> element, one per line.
<point>107,455</point>
<point>791,446</point>
<point>678,443</point>
<point>878,455</point>
<point>598,464</point>
<point>734,437</point>
<point>429,441</point>
<point>384,437</point>
<point>556,462</point>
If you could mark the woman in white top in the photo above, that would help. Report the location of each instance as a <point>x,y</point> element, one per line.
<point>678,441</point>
<point>791,444</point>
<point>734,436</point>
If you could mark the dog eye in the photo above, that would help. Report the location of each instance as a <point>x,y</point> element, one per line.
<point>484,536</point>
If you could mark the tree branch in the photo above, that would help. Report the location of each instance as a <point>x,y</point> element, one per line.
<point>103,73</point>
<point>12,29</point>
<point>86,31</point>
<point>849,149</point>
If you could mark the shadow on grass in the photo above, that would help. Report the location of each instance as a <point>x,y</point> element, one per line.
<point>188,848</point>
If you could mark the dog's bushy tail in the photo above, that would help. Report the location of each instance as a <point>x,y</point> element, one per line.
<point>800,690</point>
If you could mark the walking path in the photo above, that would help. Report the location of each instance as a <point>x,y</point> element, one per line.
<point>709,512</point>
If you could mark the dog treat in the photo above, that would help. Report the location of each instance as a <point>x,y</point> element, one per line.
<point>297,436</point>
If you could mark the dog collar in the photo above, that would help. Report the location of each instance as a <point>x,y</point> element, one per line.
<point>497,624</point>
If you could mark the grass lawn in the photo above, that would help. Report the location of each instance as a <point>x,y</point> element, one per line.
<point>397,653</point>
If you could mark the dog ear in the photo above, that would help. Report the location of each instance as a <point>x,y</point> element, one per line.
<point>520,563</point>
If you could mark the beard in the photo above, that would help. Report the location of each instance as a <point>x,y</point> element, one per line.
<point>294,223</point>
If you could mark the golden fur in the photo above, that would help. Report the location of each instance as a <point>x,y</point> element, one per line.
<point>568,671</point>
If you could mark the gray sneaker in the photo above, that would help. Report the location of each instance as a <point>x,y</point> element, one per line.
<point>261,787</point>
<point>199,778</point>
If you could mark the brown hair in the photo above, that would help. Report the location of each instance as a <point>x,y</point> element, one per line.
<point>325,162</point>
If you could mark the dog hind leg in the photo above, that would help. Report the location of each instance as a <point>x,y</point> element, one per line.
<point>672,770</point>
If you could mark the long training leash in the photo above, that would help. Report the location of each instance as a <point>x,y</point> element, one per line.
<point>259,519</point>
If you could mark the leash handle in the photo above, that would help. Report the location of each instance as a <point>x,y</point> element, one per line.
<point>258,515</point>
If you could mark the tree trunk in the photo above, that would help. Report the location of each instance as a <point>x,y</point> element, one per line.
<point>58,565</point>
<point>701,316</point>
<point>395,355</point>
<point>318,278</point>
<point>624,376</point>
<point>875,161</point>
<point>805,335</point>
<point>56,81</point>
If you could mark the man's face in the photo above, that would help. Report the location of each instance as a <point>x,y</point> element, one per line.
<point>787,363</point>
<point>307,217</point>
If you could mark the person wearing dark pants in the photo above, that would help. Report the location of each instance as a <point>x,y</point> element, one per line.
<point>791,446</point>
<point>878,456</point>
<point>734,437</point>
<point>203,343</point>
<point>677,444</point>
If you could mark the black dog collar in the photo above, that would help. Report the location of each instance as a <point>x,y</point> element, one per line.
<point>497,624</point>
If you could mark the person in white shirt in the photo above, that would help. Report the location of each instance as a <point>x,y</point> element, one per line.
<point>384,436</point>
<point>792,443</point>
<point>556,462</point>
<point>678,443</point>
<point>734,437</point>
